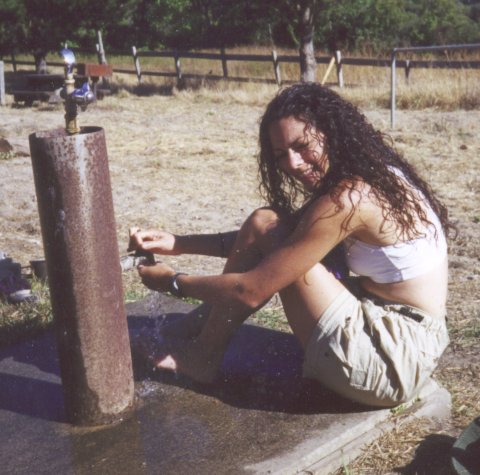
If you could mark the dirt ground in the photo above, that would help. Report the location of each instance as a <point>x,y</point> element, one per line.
<point>186,162</point>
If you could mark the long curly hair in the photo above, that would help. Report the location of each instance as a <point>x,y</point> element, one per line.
<point>354,150</point>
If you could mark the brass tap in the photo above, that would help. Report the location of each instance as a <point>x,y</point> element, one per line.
<point>73,97</point>
<point>71,109</point>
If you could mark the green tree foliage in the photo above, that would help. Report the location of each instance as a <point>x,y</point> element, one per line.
<point>44,25</point>
<point>11,25</point>
<point>440,22</point>
<point>363,24</point>
<point>115,18</point>
<point>379,25</point>
<point>198,23</point>
<point>39,26</point>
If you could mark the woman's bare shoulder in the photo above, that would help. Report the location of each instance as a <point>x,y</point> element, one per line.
<point>342,208</point>
<point>350,195</point>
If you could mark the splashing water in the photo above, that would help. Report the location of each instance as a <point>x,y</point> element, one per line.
<point>146,387</point>
<point>153,307</point>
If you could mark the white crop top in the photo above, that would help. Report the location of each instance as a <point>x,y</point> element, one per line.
<point>401,261</point>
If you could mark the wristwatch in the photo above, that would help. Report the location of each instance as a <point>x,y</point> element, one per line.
<point>174,288</point>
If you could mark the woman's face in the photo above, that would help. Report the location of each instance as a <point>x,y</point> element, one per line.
<point>299,151</point>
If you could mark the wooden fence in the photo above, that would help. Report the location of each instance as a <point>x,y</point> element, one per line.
<point>336,62</point>
<point>275,60</point>
<point>2,84</point>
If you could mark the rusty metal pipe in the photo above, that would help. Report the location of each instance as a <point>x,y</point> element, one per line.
<point>75,204</point>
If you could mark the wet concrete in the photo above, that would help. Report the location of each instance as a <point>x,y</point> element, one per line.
<point>259,417</point>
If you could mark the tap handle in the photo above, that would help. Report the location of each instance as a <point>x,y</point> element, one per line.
<point>83,96</point>
<point>68,59</point>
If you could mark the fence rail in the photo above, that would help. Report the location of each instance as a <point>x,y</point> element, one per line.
<point>274,59</point>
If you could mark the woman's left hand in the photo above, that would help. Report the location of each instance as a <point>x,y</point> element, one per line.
<point>157,276</point>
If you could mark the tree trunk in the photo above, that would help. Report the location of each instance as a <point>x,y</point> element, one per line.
<point>40,62</point>
<point>307,53</point>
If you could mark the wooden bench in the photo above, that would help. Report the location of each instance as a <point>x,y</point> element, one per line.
<point>40,87</point>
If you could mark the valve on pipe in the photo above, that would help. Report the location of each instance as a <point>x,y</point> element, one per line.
<point>73,97</point>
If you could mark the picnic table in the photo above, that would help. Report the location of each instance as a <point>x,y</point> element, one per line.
<point>40,87</point>
<point>45,87</point>
<point>93,73</point>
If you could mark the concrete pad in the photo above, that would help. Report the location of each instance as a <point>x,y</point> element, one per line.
<point>259,417</point>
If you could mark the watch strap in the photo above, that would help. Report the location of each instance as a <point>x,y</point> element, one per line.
<point>174,287</point>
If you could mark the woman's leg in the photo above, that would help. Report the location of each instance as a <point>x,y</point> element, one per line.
<point>201,357</point>
<point>188,325</point>
<point>259,235</point>
<point>304,301</point>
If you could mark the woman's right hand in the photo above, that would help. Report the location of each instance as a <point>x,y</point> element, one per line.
<point>152,240</point>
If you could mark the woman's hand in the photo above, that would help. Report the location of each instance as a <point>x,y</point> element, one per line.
<point>158,242</point>
<point>157,276</point>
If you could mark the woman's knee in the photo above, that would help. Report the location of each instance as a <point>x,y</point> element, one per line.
<point>266,228</point>
<point>263,219</point>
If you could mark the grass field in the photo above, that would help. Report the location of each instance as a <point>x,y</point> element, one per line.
<point>167,149</point>
<point>368,86</point>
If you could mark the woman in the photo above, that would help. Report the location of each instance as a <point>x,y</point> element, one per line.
<point>330,180</point>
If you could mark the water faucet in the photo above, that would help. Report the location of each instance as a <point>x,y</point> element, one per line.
<point>68,59</point>
<point>73,97</point>
<point>83,96</point>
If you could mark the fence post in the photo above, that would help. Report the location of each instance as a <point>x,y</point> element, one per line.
<point>2,84</point>
<point>392,88</point>
<point>338,60</point>
<point>276,68</point>
<point>100,51</point>
<point>14,63</point>
<point>136,62</point>
<point>101,57</point>
<point>224,62</point>
<point>178,68</point>
<point>327,72</point>
<point>407,70</point>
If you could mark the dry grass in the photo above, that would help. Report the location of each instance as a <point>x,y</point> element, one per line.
<point>185,160</point>
<point>27,319</point>
<point>368,86</point>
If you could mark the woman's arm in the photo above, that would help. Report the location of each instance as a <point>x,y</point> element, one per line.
<point>216,245</point>
<point>165,243</point>
<point>319,231</point>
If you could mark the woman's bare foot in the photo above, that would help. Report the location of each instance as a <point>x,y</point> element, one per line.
<point>148,346</point>
<point>189,358</point>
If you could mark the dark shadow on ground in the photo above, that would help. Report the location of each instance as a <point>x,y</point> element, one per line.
<point>32,397</point>
<point>146,90</point>
<point>466,450</point>
<point>433,456</point>
<point>40,351</point>
<point>30,379</point>
<point>261,370</point>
